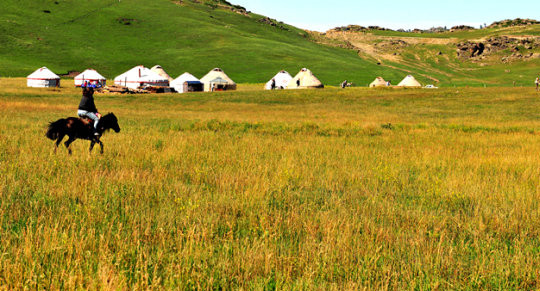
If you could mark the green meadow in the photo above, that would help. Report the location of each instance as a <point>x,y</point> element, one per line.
<point>255,190</point>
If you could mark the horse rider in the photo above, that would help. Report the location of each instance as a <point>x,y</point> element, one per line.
<point>87,107</point>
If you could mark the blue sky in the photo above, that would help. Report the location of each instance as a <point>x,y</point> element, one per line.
<point>323,15</point>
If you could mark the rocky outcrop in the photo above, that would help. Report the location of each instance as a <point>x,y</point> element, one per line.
<point>470,49</point>
<point>393,44</point>
<point>519,56</point>
<point>461,28</point>
<point>496,44</point>
<point>516,48</point>
<point>513,22</point>
<point>273,22</point>
<point>357,28</point>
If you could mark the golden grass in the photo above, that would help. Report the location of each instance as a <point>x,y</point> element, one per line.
<point>320,189</point>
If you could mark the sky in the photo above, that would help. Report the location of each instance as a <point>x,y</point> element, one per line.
<point>322,15</point>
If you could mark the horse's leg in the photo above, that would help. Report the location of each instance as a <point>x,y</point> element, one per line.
<point>58,141</point>
<point>101,146</point>
<point>92,144</point>
<point>68,143</point>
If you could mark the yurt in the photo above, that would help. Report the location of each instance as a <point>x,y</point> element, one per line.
<point>218,80</point>
<point>43,78</point>
<point>160,71</point>
<point>140,76</point>
<point>90,76</point>
<point>409,81</point>
<point>378,82</point>
<point>304,80</point>
<point>281,80</point>
<point>187,83</point>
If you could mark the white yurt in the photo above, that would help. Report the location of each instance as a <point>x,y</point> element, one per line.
<point>43,78</point>
<point>90,76</point>
<point>187,83</point>
<point>160,71</point>
<point>304,80</point>
<point>378,82</point>
<point>409,81</point>
<point>140,76</point>
<point>218,80</point>
<point>281,79</point>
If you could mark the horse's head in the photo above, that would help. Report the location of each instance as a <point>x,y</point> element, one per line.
<point>109,121</point>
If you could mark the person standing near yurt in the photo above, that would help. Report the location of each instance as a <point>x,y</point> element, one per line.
<point>273,85</point>
<point>537,82</point>
<point>87,107</point>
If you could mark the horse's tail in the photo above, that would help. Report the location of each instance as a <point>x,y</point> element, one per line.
<point>55,128</point>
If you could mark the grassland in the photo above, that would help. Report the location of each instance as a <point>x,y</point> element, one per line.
<point>327,189</point>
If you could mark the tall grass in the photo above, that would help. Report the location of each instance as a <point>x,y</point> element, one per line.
<point>326,189</point>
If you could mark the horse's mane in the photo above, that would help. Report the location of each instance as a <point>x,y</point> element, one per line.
<point>108,121</point>
<point>108,118</point>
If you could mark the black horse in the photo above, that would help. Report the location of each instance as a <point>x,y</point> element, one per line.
<point>76,128</point>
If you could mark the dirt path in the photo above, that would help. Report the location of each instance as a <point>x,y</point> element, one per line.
<point>365,43</point>
<point>365,46</point>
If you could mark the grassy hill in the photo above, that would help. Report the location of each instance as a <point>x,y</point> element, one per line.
<point>196,36</point>
<point>511,55</point>
<point>113,36</point>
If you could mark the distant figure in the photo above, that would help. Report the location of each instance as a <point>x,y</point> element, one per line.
<point>298,82</point>
<point>388,83</point>
<point>213,87</point>
<point>344,84</point>
<point>273,84</point>
<point>537,82</point>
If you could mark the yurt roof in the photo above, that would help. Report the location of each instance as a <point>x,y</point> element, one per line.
<point>142,74</point>
<point>303,72</point>
<point>307,79</point>
<point>282,73</point>
<point>153,76</point>
<point>378,81</point>
<point>409,81</point>
<point>90,74</point>
<point>219,80</point>
<point>160,71</point>
<point>217,73</point>
<point>282,79</point>
<point>185,77</point>
<point>43,74</point>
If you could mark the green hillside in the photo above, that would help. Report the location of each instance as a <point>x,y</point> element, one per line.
<point>112,36</point>
<point>511,55</point>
